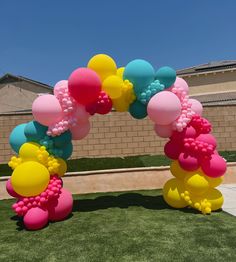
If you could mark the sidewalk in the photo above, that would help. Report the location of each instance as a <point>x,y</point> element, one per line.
<point>229,193</point>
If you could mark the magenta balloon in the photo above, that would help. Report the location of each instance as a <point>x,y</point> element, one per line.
<point>207,138</point>
<point>180,82</point>
<point>36,218</point>
<point>172,149</point>
<point>59,85</point>
<point>47,110</point>
<point>163,131</point>
<point>188,163</point>
<point>80,131</point>
<point>60,208</point>
<point>84,85</point>
<point>215,167</point>
<point>10,189</point>
<point>188,132</point>
<point>196,106</point>
<point>164,108</point>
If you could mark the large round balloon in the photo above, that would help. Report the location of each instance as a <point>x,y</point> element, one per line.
<point>10,189</point>
<point>140,73</point>
<point>188,162</point>
<point>138,110</point>
<point>214,167</point>
<point>29,151</point>
<point>164,108</point>
<point>166,75</point>
<point>36,218</point>
<point>196,106</point>
<point>84,85</point>
<point>172,149</point>
<point>34,131</point>
<point>180,83</point>
<point>215,197</point>
<point>67,151</point>
<point>17,137</point>
<point>59,85</point>
<point>163,130</point>
<point>103,65</point>
<point>47,110</point>
<point>196,183</point>
<point>120,72</point>
<point>112,85</point>
<point>80,131</point>
<point>60,208</point>
<point>30,179</point>
<point>172,191</point>
<point>63,139</point>
<point>177,171</point>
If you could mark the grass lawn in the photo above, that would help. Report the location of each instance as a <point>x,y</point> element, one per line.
<point>134,226</point>
<point>87,164</point>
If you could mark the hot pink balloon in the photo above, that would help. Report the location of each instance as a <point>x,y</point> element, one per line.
<point>188,163</point>
<point>80,131</point>
<point>207,138</point>
<point>84,85</point>
<point>214,167</point>
<point>60,208</point>
<point>172,149</point>
<point>47,110</point>
<point>164,108</point>
<point>163,131</point>
<point>60,85</point>
<point>10,189</point>
<point>188,132</point>
<point>180,83</point>
<point>36,218</point>
<point>196,106</point>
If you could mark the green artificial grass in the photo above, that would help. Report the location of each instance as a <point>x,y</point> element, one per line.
<point>134,226</point>
<point>87,164</point>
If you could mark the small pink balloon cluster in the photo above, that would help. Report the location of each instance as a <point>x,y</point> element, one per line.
<point>54,204</point>
<point>195,148</point>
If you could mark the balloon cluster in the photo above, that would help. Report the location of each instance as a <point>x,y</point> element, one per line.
<point>44,144</point>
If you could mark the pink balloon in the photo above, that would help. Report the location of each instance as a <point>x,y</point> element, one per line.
<point>36,218</point>
<point>180,83</point>
<point>59,85</point>
<point>207,138</point>
<point>81,114</point>
<point>188,163</point>
<point>188,132</point>
<point>60,208</point>
<point>80,131</point>
<point>10,189</point>
<point>84,85</point>
<point>47,110</point>
<point>164,108</point>
<point>196,106</point>
<point>214,167</point>
<point>163,131</point>
<point>172,149</point>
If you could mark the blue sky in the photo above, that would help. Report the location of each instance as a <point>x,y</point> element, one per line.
<point>46,40</point>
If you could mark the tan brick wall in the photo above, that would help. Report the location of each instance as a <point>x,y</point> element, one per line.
<point>118,134</point>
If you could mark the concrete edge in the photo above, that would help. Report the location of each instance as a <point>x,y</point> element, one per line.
<point>112,171</point>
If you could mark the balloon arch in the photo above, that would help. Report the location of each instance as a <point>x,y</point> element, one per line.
<point>44,144</point>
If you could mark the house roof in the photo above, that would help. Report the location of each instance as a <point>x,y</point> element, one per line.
<point>223,98</point>
<point>22,78</point>
<point>209,67</point>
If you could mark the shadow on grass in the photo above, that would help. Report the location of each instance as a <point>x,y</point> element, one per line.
<point>124,201</point>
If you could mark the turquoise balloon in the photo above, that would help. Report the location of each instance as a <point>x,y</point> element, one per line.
<point>138,110</point>
<point>62,140</point>
<point>166,75</point>
<point>67,151</point>
<point>34,131</point>
<point>140,73</point>
<point>17,137</point>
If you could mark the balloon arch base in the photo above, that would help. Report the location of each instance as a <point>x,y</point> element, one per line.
<point>43,145</point>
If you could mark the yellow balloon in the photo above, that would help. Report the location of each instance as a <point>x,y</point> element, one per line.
<point>215,197</point>
<point>120,72</point>
<point>172,193</point>
<point>214,182</point>
<point>62,167</point>
<point>103,65</point>
<point>112,85</point>
<point>120,105</point>
<point>29,151</point>
<point>196,183</point>
<point>177,171</point>
<point>30,179</point>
